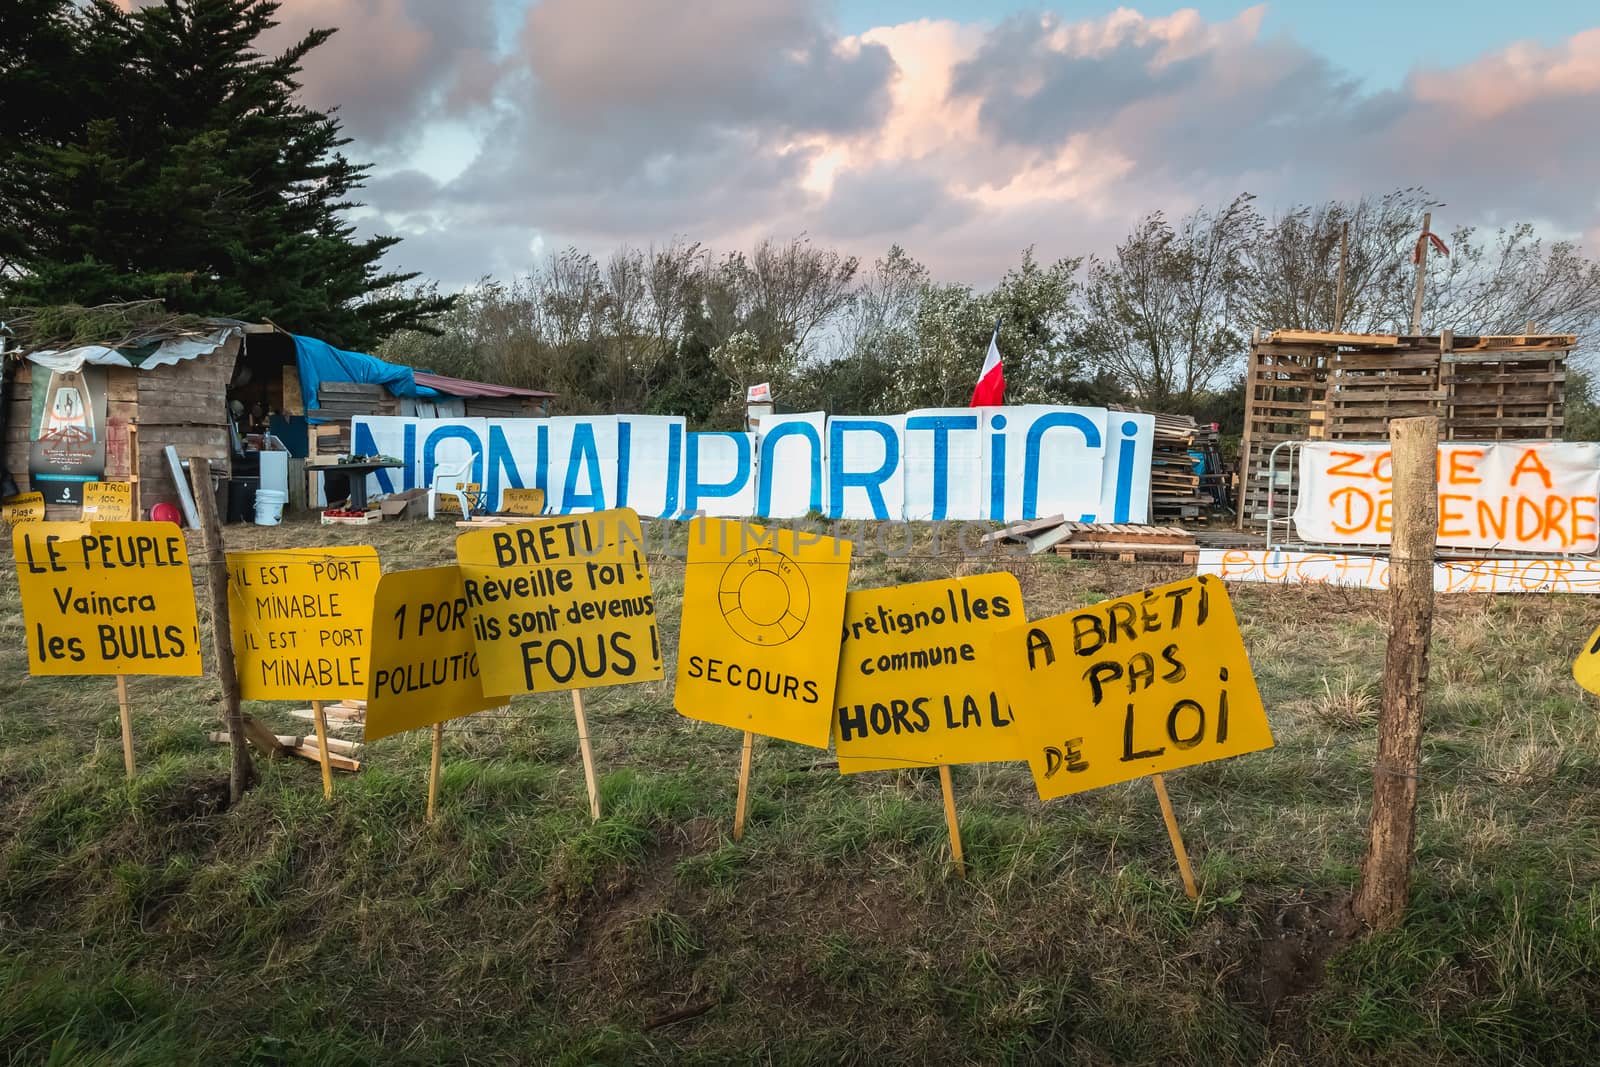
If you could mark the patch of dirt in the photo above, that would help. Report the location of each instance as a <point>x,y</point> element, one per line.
<point>1286,960</point>
<point>196,800</point>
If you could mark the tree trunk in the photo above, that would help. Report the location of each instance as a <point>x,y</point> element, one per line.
<point>242,774</point>
<point>1380,899</point>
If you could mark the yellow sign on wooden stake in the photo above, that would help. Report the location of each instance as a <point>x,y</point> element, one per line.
<point>1132,687</point>
<point>1586,668</point>
<point>918,686</point>
<point>561,603</point>
<point>758,648</point>
<point>424,664</point>
<point>302,621</point>
<point>107,502</point>
<point>107,598</point>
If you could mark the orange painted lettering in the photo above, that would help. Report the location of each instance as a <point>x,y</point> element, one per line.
<point>1530,463</point>
<point>1448,516</point>
<point>1461,471</point>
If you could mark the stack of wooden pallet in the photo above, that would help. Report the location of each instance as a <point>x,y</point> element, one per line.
<point>344,716</point>
<point>1174,479</point>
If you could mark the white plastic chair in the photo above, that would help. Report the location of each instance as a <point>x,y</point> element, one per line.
<point>450,476</point>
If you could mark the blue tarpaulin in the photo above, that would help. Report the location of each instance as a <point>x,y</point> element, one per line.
<point>321,362</point>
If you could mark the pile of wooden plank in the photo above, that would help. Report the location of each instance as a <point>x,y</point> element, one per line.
<point>1088,540</point>
<point>478,522</point>
<point>343,715</point>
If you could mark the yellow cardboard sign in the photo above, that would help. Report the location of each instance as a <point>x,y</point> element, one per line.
<point>24,507</point>
<point>561,603</point>
<point>302,621</point>
<point>522,501</point>
<point>758,648</point>
<point>107,502</point>
<point>424,665</point>
<point>917,680</point>
<point>107,598</point>
<point>448,503</point>
<point>1135,686</point>
<point>1586,668</point>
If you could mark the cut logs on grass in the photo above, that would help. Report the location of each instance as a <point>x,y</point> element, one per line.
<point>1380,899</point>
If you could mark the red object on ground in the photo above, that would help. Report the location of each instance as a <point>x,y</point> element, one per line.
<point>165,512</point>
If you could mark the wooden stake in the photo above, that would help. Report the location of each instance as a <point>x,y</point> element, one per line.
<point>242,772</point>
<point>744,784</point>
<point>950,818</point>
<point>1380,899</point>
<point>1338,291</point>
<point>1422,273</point>
<point>322,748</point>
<point>433,770</point>
<point>588,754</point>
<point>127,723</point>
<point>1177,838</point>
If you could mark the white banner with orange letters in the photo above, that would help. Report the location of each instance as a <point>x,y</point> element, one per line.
<point>1526,496</point>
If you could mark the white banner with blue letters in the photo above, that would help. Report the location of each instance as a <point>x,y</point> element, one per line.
<point>998,463</point>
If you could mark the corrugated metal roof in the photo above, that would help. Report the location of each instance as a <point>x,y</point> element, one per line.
<point>462,387</point>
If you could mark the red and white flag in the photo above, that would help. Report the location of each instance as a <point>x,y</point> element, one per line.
<point>991,388</point>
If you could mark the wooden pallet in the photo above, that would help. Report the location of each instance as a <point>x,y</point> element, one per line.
<point>484,521</point>
<point>1130,552</point>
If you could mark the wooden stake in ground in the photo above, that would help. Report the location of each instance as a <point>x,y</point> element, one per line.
<point>950,818</point>
<point>433,769</point>
<point>744,784</point>
<point>1338,291</point>
<point>1422,273</point>
<point>127,723</point>
<point>1380,899</point>
<point>1177,838</point>
<point>242,772</point>
<point>322,748</point>
<point>588,754</point>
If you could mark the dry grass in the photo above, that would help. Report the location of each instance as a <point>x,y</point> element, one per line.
<point>137,924</point>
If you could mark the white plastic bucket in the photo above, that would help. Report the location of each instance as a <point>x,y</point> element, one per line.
<point>269,506</point>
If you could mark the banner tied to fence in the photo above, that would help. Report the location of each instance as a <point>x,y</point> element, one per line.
<point>107,598</point>
<point>561,603</point>
<point>302,621</point>
<point>424,661</point>
<point>918,684</point>
<point>758,647</point>
<point>1541,496</point>
<point>1134,686</point>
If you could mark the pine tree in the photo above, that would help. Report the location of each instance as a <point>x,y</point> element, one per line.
<point>157,153</point>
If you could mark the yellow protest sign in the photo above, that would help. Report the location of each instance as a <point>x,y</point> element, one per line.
<point>561,603</point>
<point>107,598</point>
<point>302,621</point>
<point>24,507</point>
<point>1586,668</point>
<point>522,501</point>
<point>424,666</point>
<point>917,680</point>
<point>107,502</point>
<point>758,648</point>
<point>1131,687</point>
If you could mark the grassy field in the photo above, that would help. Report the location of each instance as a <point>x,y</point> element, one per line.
<point>142,923</point>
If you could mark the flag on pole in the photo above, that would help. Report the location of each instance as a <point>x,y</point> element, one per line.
<point>991,387</point>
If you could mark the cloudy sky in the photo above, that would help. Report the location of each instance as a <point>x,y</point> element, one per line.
<point>502,130</point>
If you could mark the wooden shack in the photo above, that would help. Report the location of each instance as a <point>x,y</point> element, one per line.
<point>1305,385</point>
<point>186,404</point>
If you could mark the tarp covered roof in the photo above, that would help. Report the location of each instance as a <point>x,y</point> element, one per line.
<point>462,387</point>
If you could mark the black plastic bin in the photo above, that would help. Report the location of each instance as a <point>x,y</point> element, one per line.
<point>242,499</point>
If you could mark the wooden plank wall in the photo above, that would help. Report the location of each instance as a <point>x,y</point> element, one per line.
<point>1286,388</point>
<point>185,405</point>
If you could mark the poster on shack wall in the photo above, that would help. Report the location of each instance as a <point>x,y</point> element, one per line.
<point>67,431</point>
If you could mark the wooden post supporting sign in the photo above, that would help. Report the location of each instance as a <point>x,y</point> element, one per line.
<point>433,769</point>
<point>1177,838</point>
<point>744,785</point>
<point>949,792</point>
<point>322,748</point>
<point>127,723</point>
<point>588,754</point>
<point>1386,870</point>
